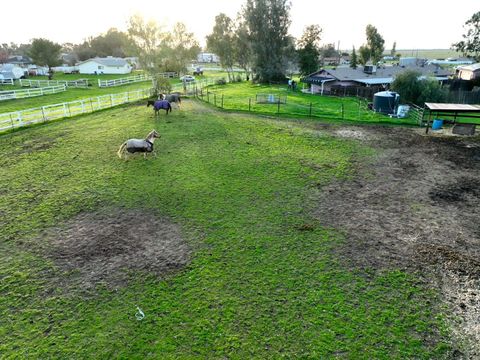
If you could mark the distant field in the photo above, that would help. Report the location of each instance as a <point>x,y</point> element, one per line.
<point>429,53</point>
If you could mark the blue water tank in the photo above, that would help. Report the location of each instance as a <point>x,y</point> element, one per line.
<point>386,102</point>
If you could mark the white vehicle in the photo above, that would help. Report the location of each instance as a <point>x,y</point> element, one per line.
<point>187,78</point>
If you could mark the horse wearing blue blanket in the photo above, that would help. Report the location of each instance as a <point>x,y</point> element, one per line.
<point>160,104</point>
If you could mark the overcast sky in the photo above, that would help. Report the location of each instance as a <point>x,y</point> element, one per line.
<point>413,24</point>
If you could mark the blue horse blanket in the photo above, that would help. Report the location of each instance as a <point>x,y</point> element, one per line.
<point>161,104</point>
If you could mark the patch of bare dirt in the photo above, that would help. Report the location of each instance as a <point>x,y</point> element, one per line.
<point>103,248</point>
<point>415,207</point>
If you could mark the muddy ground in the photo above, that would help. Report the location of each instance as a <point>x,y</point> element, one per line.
<point>102,248</point>
<point>415,207</point>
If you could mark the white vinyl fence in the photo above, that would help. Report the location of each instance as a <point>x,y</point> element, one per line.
<point>134,79</point>
<point>26,93</point>
<point>7,81</point>
<point>123,81</point>
<point>80,83</point>
<point>46,113</point>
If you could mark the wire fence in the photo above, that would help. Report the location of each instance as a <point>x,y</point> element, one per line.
<point>333,108</point>
<point>17,119</point>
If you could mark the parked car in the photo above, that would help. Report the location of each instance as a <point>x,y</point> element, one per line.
<point>187,78</point>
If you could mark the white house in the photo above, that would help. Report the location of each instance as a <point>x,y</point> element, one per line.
<point>11,71</point>
<point>208,58</point>
<point>469,72</point>
<point>108,65</point>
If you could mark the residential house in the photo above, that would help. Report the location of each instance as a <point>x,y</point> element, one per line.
<point>468,72</point>
<point>12,71</point>
<point>204,57</point>
<point>108,65</point>
<point>366,76</point>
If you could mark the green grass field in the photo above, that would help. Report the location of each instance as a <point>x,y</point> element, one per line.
<point>71,94</point>
<point>262,282</point>
<point>242,97</point>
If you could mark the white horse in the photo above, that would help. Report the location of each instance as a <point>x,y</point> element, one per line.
<point>138,145</point>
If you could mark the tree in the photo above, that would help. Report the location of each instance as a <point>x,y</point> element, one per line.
<point>308,49</point>
<point>181,48</point>
<point>149,42</point>
<point>268,22</point>
<point>374,48</point>
<point>415,90</point>
<point>375,43</point>
<point>353,59</point>
<point>364,55</point>
<point>242,46</point>
<point>45,52</point>
<point>329,51</point>
<point>394,49</point>
<point>113,43</point>
<point>470,45</point>
<point>222,42</point>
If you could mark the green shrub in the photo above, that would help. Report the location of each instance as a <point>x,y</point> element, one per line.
<point>221,81</point>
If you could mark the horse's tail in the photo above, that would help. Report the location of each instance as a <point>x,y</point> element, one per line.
<point>121,149</point>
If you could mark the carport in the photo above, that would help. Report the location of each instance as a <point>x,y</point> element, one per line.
<point>452,112</point>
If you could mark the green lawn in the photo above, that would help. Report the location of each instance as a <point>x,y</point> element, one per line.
<point>242,97</point>
<point>262,282</point>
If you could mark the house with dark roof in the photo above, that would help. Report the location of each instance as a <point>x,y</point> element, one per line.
<point>369,75</point>
<point>108,65</point>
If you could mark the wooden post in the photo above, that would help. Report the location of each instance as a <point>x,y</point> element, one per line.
<point>222,101</point>
<point>208,96</point>
<point>43,114</point>
<point>310,110</point>
<point>343,112</point>
<point>215,99</point>
<point>278,106</point>
<point>249,104</point>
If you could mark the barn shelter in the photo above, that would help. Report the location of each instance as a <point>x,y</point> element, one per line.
<point>453,112</point>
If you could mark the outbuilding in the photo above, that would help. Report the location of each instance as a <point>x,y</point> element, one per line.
<point>468,72</point>
<point>108,65</point>
<point>12,71</point>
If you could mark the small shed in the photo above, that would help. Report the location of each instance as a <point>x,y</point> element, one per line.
<point>453,112</point>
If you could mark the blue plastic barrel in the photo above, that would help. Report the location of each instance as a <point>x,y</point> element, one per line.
<point>437,124</point>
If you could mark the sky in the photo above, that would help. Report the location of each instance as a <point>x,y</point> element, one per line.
<point>412,24</point>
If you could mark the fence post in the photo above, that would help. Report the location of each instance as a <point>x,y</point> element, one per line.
<point>64,110</point>
<point>43,113</point>
<point>222,101</point>
<point>208,96</point>
<point>310,110</point>
<point>111,100</point>
<point>11,120</point>
<point>343,112</point>
<point>278,106</point>
<point>214,99</point>
<point>249,104</point>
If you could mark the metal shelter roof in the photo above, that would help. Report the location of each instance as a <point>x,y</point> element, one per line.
<point>454,108</point>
